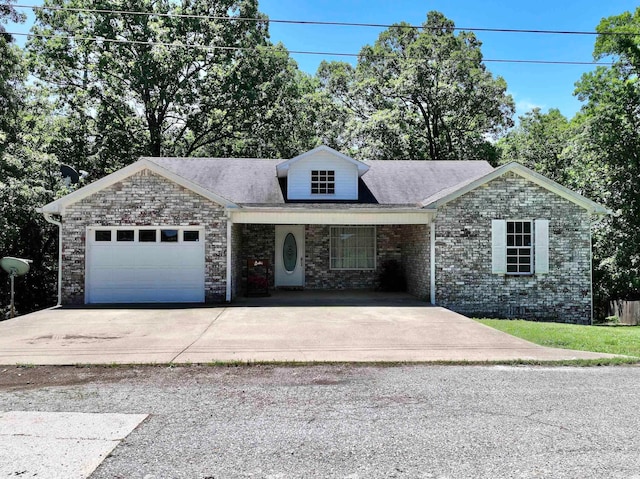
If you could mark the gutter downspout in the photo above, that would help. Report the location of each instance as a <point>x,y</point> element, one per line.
<point>229,253</point>
<point>432,262</point>
<point>49,219</point>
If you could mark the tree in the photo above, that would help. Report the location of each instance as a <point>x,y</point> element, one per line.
<point>606,150</point>
<point>422,94</point>
<point>538,142</point>
<point>159,83</point>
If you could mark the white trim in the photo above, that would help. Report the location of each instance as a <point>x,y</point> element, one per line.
<point>354,216</point>
<point>58,206</point>
<point>541,246</point>
<point>229,262</point>
<point>432,264</point>
<point>530,175</point>
<point>48,218</point>
<point>375,247</point>
<point>283,168</point>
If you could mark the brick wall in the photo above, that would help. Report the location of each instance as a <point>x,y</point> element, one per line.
<point>416,249</point>
<point>143,199</point>
<point>464,281</point>
<point>317,270</point>
<point>258,242</point>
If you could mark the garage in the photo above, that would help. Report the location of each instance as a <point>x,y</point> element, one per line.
<point>146,264</point>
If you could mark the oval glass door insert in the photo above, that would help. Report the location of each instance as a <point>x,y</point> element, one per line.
<point>290,253</point>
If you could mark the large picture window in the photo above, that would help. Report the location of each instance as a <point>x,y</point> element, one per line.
<point>353,247</point>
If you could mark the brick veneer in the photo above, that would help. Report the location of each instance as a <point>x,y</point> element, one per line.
<point>318,273</point>
<point>142,199</point>
<point>464,281</point>
<point>416,249</point>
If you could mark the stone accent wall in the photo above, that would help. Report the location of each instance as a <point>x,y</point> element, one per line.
<point>143,199</point>
<point>258,242</point>
<point>464,281</point>
<point>320,276</point>
<point>416,249</point>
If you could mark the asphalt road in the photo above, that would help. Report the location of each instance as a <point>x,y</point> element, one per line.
<point>353,422</point>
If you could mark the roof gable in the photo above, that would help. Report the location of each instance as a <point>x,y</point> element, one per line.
<point>58,206</point>
<point>450,194</point>
<point>283,168</point>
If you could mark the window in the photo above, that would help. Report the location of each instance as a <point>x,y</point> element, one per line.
<point>191,236</point>
<point>519,247</point>
<point>147,236</point>
<point>353,247</point>
<point>169,236</point>
<point>323,182</point>
<point>125,235</point>
<point>103,235</point>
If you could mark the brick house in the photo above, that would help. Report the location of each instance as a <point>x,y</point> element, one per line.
<point>503,242</point>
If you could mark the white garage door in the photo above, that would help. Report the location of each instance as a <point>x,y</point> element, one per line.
<point>145,265</point>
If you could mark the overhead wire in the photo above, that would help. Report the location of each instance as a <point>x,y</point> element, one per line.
<point>286,51</point>
<point>317,22</point>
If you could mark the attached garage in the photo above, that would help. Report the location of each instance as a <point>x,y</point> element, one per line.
<point>146,264</point>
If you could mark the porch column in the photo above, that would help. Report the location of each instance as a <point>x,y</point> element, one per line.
<point>432,263</point>
<point>229,254</point>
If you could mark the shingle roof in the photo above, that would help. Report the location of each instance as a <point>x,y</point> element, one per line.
<point>254,181</point>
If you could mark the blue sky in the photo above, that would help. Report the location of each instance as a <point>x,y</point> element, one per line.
<point>544,86</point>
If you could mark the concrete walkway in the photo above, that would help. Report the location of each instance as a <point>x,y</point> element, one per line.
<point>396,329</point>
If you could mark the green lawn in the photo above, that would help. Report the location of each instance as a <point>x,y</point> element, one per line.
<point>600,339</point>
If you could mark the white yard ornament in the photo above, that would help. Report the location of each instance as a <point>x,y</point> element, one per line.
<point>15,267</point>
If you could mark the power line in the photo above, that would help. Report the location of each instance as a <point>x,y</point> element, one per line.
<point>276,51</point>
<point>316,22</point>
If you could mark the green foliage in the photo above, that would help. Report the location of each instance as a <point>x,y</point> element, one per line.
<point>420,94</point>
<point>606,149</point>
<point>538,142</point>
<point>598,339</point>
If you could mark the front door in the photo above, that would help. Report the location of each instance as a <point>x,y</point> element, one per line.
<point>289,270</point>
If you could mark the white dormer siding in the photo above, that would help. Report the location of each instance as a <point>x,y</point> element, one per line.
<point>299,177</point>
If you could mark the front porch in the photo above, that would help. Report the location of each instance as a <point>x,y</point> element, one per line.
<point>334,259</point>
<point>349,297</point>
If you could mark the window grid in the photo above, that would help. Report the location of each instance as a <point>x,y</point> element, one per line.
<point>519,247</point>
<point>323,182</point>
<point>145,234</point>
<point>353,248</point>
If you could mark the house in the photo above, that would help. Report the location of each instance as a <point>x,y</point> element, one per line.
<point>503,242</point>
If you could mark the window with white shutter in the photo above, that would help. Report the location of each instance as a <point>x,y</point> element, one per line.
<point>520,247</point>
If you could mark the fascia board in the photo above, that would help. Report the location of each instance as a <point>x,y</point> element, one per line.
<point>58,206</point>
<point>528,174</point>
<point>283,167</point>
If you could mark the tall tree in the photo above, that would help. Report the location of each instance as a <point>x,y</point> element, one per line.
<point>423,94</point>
<point>184,85</point>
<point>607,153</point>
<point>538,142</point>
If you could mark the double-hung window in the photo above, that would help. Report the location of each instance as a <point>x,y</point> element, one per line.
<point>353,247</point>
<point>520,247</point>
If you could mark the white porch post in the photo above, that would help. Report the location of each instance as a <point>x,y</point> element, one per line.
<point>229,254</point>
<point>432,263</point>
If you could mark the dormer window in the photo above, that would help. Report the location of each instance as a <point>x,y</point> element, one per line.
<point>323,182</point>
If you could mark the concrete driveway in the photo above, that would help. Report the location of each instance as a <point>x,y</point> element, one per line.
<point>397,328</point>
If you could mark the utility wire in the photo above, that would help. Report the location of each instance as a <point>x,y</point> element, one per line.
<point>274,50</point>
<point>315,22</point>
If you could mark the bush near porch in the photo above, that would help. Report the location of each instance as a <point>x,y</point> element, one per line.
<point>601,339</point>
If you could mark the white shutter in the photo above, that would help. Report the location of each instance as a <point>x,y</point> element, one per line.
<point>541,246</point>
<point>499,246</point>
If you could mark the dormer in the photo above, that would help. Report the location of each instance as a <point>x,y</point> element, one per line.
<point>322,174</point>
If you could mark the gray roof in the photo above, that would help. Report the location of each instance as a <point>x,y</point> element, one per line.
<point>392,182</point>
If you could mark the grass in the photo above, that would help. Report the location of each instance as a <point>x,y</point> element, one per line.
<point>598,339</point>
